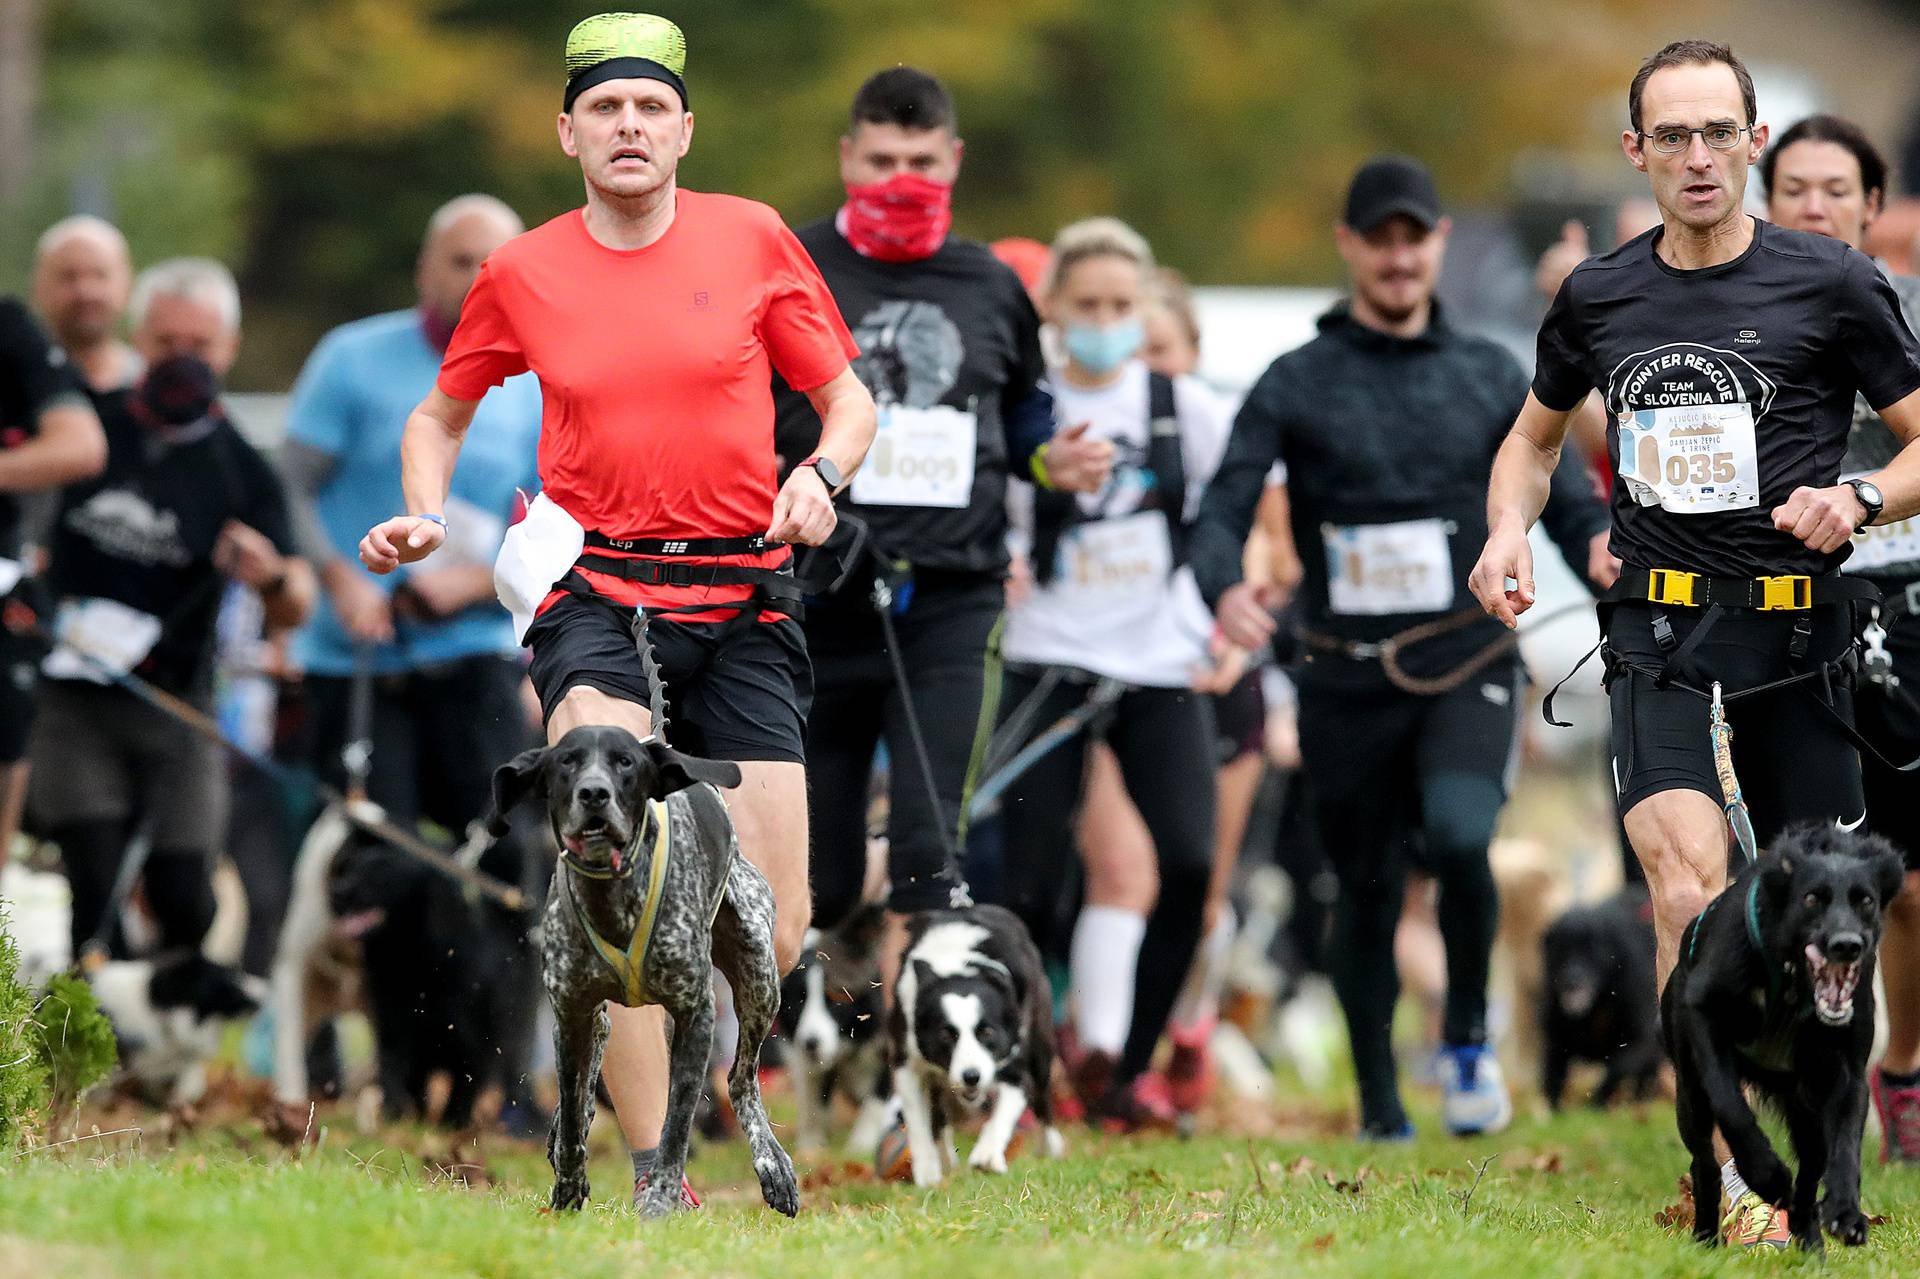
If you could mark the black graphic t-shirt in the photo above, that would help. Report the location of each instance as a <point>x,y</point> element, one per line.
<point>1726,389</point>
<point>142,533</point>
<point>33,374</point>
<point>948,346</point>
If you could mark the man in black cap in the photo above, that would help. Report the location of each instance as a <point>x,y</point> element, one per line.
<point>1388,422</point>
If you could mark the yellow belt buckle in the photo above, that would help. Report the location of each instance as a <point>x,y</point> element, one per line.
<point>1672,586</point>
<point>1791,591</point>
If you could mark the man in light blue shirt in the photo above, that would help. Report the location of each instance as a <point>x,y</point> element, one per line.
<point>446,672</point>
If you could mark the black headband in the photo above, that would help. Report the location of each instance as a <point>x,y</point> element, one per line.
<point>623,69</point>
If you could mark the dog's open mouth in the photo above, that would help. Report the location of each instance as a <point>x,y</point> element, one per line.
<point>598,837</point>
<point>1833,985</point>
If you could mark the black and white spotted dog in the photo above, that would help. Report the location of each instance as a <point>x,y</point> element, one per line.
<point>831,1017</point>
<point>971,1030</point>
<point>642,829</point>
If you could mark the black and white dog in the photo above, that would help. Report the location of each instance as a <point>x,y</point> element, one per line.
<point>971,1027</point>
<point>168,1014</point>
<point>1597,998</point>
<point>1774,990</point>
<point>832,1016</point>
<point>650,896</point>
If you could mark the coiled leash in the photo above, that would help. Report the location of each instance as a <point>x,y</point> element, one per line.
<point>1387,651</point>
<point>1732,801</point>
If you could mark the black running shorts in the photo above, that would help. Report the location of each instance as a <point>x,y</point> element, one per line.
<point>1793,760</point>
<point>737,692</point>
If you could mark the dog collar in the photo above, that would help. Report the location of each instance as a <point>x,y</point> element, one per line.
<point>624,866</point>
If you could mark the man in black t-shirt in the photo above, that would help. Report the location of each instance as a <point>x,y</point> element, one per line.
<point>49,436</point>
<point>950,350</point>
<point>139,558</point>
<point>1728,352</point>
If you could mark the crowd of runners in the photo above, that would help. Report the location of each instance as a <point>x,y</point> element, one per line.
<point>904,508</point>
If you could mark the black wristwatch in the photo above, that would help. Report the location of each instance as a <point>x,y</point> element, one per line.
<point>827,471</point>
<point>1869,494</point>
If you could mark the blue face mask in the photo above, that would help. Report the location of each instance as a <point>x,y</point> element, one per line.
<point>1102,350</point>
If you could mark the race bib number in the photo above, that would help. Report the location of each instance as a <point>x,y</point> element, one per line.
<point>96,639</point>
<point>920,457</point>
<point>1114,559</point>
<point>1377,569</point>
<point>1691,459</point>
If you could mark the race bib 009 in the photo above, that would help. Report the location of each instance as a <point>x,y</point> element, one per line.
<point>920,457</point>
<point>1377,569</point>
<point>1691,459</point>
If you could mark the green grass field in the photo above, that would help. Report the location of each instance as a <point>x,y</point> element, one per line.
<point>1567,1196</point>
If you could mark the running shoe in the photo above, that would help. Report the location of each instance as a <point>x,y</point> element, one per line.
<point>1373,1134</point>
<point>1132,1108</point>
<point>1189,1072</point>
<point>688,1199</point>
<point>1092,1078</point>
<point>893,1158</point>
<point>1754,1223</point>
<point>1899,1109</point>
<point>1474,1100</point>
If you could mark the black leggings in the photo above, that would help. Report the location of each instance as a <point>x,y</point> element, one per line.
<point>178,884</point>
<point>1397,778</point>
<point>950,647</point>
<point>1163,739</point>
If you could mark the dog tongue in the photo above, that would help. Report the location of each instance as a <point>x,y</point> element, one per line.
<point>618,857</point>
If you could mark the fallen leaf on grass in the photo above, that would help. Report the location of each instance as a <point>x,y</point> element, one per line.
<point>1548,1162</point>
<point>1678,1216</point>
<point>1877,1220</point>
<point>1323,1243</point>
<point>1301,1167</point>
<point>1211,1196</point>
<point>1353,1187</point>
<point>826,1176</point>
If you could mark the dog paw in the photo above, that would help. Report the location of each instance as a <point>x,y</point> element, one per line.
<point>1849,1226</point>
<point>778,1185</point>
<point>569,1194</point>
<point>987,1160</point>
<point>926,1173</point>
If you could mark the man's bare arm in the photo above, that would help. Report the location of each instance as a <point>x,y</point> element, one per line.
<point>68,446</point>
<point>1824,518</point>
<point>803,509</point>
<point>1516,494</point>
<point>429,447</point>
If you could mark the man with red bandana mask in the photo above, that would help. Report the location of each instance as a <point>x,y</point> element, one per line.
<point>950,349</point>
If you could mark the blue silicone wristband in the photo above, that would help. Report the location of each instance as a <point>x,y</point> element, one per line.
<point>441,520</point>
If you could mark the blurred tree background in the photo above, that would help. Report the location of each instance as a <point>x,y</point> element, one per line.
<point>306,141</point>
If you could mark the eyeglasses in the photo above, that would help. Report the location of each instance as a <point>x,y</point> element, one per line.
<point>1672,140</point>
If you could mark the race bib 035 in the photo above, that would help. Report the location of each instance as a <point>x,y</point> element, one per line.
<point>1691,459</point>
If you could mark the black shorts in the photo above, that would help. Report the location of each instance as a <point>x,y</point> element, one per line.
<point>1890,719</point>
<point>736,692</point>
<point>1794,762</point>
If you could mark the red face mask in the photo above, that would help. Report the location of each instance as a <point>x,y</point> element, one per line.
<point>904,219</point>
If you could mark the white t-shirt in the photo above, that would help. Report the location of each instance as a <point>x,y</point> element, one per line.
<point>1112,607</point>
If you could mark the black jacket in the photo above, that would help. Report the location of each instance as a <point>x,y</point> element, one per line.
<point>1376,429</point>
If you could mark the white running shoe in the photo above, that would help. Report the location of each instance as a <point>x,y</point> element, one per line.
<point>1475,1100</point>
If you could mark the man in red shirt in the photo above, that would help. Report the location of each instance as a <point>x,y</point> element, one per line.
<point>653,317</point>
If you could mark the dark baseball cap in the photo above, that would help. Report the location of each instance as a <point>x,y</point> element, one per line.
<point>1388,186</point>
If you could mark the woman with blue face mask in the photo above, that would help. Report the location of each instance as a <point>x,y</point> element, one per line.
<point>1113,604</point>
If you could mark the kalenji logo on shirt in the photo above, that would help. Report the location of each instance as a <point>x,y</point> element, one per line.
<point>1747,337</point>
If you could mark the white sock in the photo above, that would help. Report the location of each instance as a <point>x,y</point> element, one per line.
<point>1730,1182</point>
<point>1200,997</point>
<point>1102,961</point>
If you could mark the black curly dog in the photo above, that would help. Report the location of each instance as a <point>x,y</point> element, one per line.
<point>713,908</point>
<point>1774,990</point>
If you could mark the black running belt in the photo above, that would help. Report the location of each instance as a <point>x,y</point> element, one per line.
<point>657,573</point>
<point>755,544</point>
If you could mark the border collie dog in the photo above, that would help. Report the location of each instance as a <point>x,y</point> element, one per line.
<point>971,1030</point>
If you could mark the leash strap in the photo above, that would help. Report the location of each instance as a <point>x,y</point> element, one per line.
<point>1100,699</point>
<point>1733,802</point>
